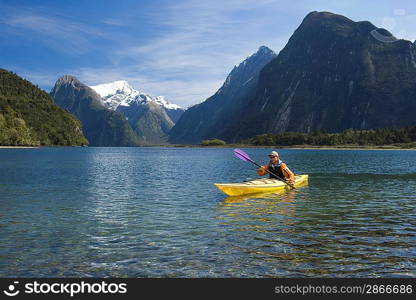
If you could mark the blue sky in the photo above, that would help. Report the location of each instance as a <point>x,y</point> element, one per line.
<point>181,49</point>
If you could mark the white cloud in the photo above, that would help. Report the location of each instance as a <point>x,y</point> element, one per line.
<point>181,92</point>
<point>202,43</point>
<point>55,31</point>
<point>192,44</point>
<point>405,27</point>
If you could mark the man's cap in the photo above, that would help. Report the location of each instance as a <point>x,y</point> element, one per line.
<point>273,153</point>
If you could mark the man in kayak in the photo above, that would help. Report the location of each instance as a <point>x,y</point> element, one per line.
<point>277,167</point>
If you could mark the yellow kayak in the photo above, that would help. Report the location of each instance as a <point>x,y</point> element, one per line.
<point>263,185</point>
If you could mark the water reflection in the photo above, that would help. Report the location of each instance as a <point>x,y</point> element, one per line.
<point>260,213</point>
<point>153,212</point>
<point>267,224</point>
<point>263,207</point>
<point>112,210</point>
<point>297,234</point>
<point>260,207</point>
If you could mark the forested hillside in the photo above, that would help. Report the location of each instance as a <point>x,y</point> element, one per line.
<point>28,116</point>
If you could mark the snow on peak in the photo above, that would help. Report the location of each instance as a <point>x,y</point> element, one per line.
<point>112,88</point>
<point>121,93</point>
<point>162,102</point>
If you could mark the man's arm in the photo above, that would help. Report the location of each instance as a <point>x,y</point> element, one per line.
<point>263,170</point>
<point>288,174</point>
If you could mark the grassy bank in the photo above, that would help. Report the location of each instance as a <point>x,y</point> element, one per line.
<point>402,146</point>
<point>17,147</point>
<point>409,146</point>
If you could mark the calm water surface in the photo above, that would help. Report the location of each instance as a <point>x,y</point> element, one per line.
<point>153,212</point>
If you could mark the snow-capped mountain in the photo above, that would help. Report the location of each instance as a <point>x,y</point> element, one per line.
<point>150,117</point>
<point>116,93</point>
<point>162,102</point>
<point>101,126</point>
<point>121,93</point>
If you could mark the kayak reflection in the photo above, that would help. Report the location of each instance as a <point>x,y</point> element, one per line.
<point>260,212</point>
<point>263,225</point>
<point>279,195</point>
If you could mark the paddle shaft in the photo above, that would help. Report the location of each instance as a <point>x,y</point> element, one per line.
<point>244,156</point>
<point>281,179</point>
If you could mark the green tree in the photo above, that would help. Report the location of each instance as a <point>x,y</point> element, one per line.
<point>213,142</point>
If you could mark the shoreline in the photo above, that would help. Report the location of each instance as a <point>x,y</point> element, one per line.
<point>295,147</point>
<point>18,147</point>
<point>298,147</point>
<point>347,148</point>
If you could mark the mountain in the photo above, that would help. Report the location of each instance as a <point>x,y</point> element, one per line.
<point>115,93</point>
<point>332,75</point>
<point>101,126</point>
<point>120,92</point>
<point>174,111</point>
<point>28,116</point>
<point>221,112</point>
<point>150,117</point>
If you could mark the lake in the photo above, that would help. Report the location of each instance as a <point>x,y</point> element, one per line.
<point>154,212</point>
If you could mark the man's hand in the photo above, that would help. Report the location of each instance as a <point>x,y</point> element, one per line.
<point>262,171</point>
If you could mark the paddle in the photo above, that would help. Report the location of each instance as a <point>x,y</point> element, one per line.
<point>244,156</point>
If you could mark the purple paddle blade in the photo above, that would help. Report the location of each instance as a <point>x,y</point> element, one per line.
<point>242,155</point>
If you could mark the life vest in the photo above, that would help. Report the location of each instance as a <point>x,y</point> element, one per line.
<point>276,169</point>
